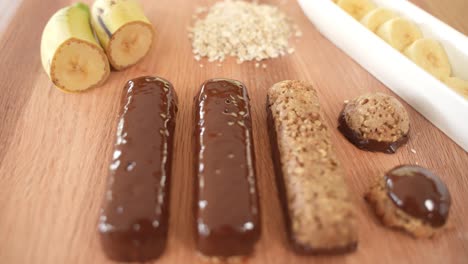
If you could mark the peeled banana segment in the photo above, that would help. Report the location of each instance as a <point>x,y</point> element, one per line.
<point>431,56</point>
<point>70,54</point>
<point>375,18</point>
<point>356,8</point>
<point>458,85</point>
<point>123,30</point>
<point>399,33</point>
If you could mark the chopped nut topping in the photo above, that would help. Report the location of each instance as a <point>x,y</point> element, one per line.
<point>319,204</point>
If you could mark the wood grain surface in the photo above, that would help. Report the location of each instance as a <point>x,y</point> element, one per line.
<point>55,148</point>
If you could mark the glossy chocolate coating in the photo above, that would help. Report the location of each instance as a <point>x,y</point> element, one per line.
<point>226,210</point>
<point>368,144</point>
<point>134,220</point>
<point>419,193</point>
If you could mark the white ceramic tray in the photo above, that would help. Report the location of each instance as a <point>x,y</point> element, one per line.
<point>433,99</point>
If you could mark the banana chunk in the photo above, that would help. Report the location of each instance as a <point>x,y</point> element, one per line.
<point>356,8</point>
<point>431,56</point>
<point>458,85</point>
<point>70,54</point>
<point>123,30</point>
<point>375,18</point>
<point>399,33</point>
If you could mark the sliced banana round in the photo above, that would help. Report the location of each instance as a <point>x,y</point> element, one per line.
<point>70,54</point>
<point>431,56</point>
<point>377,17</point>
<point>458,85</point>
<point>356,8</point>
<point>399,33</point>
<point>123,30</point>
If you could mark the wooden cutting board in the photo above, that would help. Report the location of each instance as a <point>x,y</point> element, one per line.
<point>55,147</point>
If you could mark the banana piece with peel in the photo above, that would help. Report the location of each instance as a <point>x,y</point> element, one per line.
<point>356,8</point>
<point>70,54</point>
<point>399,33</point>
<point>431,56</point>
<point>123,30</point>
<point>375,18</point>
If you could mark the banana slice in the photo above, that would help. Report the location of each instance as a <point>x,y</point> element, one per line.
<point>458,85</point>
<point>399,33</point>
<point>70,54</point>
<point>431,56</point>
<point>356,8</point>
<point>377,17</point>
<point>123,30</point>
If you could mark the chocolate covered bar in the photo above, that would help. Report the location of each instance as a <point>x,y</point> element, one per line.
<point>226,203</point>
<point>134,219</point>
<point>319,214</point>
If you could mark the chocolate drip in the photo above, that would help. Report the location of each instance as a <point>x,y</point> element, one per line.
<point>368,144</point>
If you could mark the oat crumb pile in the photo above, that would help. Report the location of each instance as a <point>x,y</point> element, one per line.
<point>245,30</point>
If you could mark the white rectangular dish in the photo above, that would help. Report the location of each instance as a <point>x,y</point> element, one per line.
<point>433,99</point>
